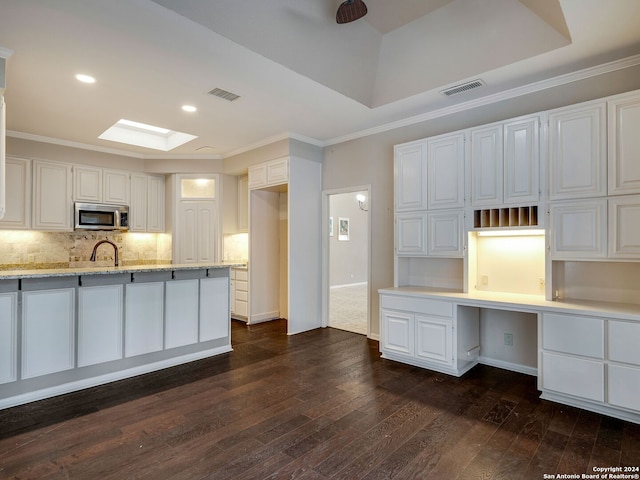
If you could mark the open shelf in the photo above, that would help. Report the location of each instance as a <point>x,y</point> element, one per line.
<point>506,217</point>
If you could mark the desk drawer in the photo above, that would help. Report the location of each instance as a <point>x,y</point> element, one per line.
<point>624,339</point>
<point>573,376</point>
<point>242,275</point>
<point>573,334</point>
<point>417,305</point>
<point>241,286</point>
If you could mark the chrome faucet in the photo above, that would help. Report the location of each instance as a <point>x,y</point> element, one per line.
<point>115,249</point>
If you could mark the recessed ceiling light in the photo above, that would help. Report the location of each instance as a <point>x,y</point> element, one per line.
<point>189,108</point>
<point>85,78</point>
<point>144,135</point>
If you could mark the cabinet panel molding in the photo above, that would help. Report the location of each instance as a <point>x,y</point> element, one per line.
<point>624,144</point>
<point>410,172</point>
<point>578,229</point>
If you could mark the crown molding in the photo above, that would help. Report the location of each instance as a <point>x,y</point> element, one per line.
<point>494,98</point>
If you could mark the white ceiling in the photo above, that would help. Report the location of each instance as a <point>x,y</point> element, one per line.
<point>297,72</point>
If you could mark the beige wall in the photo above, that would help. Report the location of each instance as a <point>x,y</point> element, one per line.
<point>369,160</point>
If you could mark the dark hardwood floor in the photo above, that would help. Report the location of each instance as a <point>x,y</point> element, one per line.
<point>317,405</point>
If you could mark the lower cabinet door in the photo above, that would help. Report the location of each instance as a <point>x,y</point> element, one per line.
<point>214,308</point>
<point>434,339</point>
<point>181,327</point>
<point>624,386</point>
<point>99,324</point>
<point>48,331</point>
<point>8,336</point>
<point>398,332</point>
<point>144,311</point>
<point>575,376</point>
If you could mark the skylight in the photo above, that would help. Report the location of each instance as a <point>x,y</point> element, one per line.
<point>143,135</point>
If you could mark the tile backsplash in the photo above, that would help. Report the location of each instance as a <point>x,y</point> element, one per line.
<point>34,250</point>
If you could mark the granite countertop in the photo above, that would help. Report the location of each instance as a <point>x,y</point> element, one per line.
<point>67,272</point>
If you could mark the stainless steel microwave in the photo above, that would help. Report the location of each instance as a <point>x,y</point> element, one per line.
<point>100,216</point>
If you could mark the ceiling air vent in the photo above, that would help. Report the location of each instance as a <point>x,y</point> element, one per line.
<point>220,93</point>
<point>462,88</point>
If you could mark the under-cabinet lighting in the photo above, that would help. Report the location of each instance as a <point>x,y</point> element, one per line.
<point>509,233</point>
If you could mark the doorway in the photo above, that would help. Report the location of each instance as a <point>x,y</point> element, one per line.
<point>347,268</point>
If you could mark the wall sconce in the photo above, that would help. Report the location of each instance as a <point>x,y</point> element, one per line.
<point>362,202</point>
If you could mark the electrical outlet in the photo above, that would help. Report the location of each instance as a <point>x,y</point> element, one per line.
<point>541,282</point>
<point>508,339</point>
<point>484,279</point>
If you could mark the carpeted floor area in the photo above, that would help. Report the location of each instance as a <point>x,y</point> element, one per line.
<point>348,308</point>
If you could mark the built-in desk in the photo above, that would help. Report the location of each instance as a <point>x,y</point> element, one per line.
<point>586,353</point>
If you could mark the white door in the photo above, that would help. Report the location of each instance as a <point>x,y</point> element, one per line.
<point>624,234</point>
<point>398,331</point>
<point>486,165</point>
<point>521,161</point>
<point>578,229</point>
<point>624,144</point>
<point>434,339</point>
<point>17,214</point>
<point>577,155</point>
<point>410,173</point>
<point>411,234</point>
<point>138,207</point>
<point>52,196</point>
<point>115,187</point>
<point>445,234</point>
<point>445,171</point>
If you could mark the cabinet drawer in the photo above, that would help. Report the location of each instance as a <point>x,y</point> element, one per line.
<point>241,308</point>
<point>232,274</point>
<point>574,376</point>
<point>241,275</point>
<point>240,295</point>
<point>573,334</point>
<point>241,286</point>
<point>624,386</point>
<point>624,338</point>
<point>417,305</point>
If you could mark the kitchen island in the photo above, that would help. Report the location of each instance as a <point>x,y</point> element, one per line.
<point>63,330</point>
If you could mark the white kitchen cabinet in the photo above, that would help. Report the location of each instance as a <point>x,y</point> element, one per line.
<point>624,143</point>
<point>573,350</point>
<point>52,194</point>
<point>566,374</point>
<point>240,297</point>
<point>445,233</point>
<point>243,203</point>
<point>144,313</point>
<point>181,324</point>
<point>100,324</point>
<point>411,234</point>
<point>398,330</point>
<point>146,210</point>
<point>48,331</point>
<point>434,340</point>
<point>138,207</point>
<point>197,227</point>
<point>17,214</point>
<point>274,172</point>
<point>487,165</point>
<point>100,185</point>
<point>623,385</point>
<point>155,203</point>
<point>214,308</point>
<point>410,172</point>
<point>624,223</point>
<point>115,188</point>
<point>8,336</point>
<point>577,151</point>
<point>445,171</point>
<point>509,172</point>
<point>87,184</point>
<point>522,160</point>
<point>578,229</point>
<point>623,342</point>
<point>426,333</point>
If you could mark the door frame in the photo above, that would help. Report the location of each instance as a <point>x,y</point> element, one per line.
<point>326,252</point>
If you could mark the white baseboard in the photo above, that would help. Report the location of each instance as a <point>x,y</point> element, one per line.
<point>347,285</point>
<point>514,367</point>
<point>263,317</point>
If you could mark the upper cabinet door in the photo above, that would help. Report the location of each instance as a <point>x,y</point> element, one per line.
<point>521,160</point>
<point>486,165</point>
<point>445,171</point>
<point>411,177</point>
<point>17,214</point>
<point>624,144</point>
<point>116,187</point>
<point>578,152</point>
<point>138,206</point>
<point>87,184</point>
<point>51,196</point>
